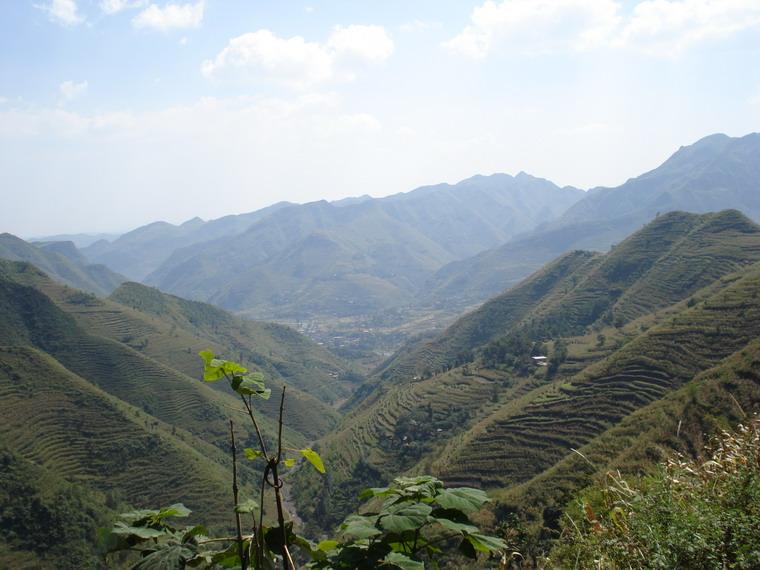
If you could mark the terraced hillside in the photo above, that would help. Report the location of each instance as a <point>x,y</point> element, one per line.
<point>107,398</point>
<point>674,256</point>
<point>682,421</point>
<point>63,423</point>
<point>277,349</point>
<point>157,346</point>
<point>517,444</point>
<point>87,455</point>
<point>63,262</point>
<point>620,334</point>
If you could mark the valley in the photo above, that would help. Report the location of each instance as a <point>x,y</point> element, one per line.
<point>502,333</point>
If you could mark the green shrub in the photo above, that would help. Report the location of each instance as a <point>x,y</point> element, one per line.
<point>691,514</point>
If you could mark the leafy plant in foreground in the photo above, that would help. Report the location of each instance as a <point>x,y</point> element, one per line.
<point>691,514</point>
<point>405,524</point>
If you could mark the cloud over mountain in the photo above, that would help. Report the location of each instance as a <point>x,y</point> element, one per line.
<point>297,62</point>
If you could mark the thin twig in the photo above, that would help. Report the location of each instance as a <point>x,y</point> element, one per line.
<point>287,560</point>
<point>249,409</point>
<point>241,550</point>
<point>221,539</point>
<point>279,432</point>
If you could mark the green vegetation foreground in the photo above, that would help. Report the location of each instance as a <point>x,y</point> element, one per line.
<point>691,514</point>
<point>405,525</point>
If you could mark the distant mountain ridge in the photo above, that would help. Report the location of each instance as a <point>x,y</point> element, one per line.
<point>715,173</point>
<point>64,262</point>
<point>445,247</point>
<point>358,256</point>
<point>140,251</point>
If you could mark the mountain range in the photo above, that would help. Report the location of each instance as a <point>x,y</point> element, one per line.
<point>715,173</point>
<point>445,247</point>
<point>348,257</point>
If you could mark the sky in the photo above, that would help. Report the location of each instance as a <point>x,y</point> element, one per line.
<point>117,113</point>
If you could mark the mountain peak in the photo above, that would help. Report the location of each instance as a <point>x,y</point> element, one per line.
<point>193,222</point>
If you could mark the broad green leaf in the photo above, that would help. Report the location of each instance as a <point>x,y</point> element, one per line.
<point>375,492</point>
<point>248,506</point>
<point>252,454</point>
<point>289,462</point>
<point>227,558</point>
<point>251,385</point>
<point>198,530</point>
<point>313,458</point>
<point>421,486</point>
<point>211,371</point>
<point>215,368</point>
<point>170,557</point>
<point>328,545</point>
<point>485,543</point>
<point>175,510</point>
<point>360,527</point>
<point>402,561</point>
<point>138,531</point>
<point>230,367</point>
<point>404,517</point>
<point>307,547</point>
<point>465,499</point>
<point>455,526</point>
<point>207,356</point>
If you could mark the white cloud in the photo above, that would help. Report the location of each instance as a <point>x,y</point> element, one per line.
<point>537,26</point>
<point>63,12</point>
<point>419,26</point>
<point>666,27</point>
<point>292,60</point>
<point>296,62</point>
<point>658,27</point>
<point>171,16</point>
<point>115,6</point>
<point>370,43</point>
<point>71,90</point>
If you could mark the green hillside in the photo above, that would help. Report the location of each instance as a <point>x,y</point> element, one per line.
<point>278,350</point>
<point>63,262</point>
<point>106,452</point>
<point>715,399</point>
<point>674,256</point>
<point>622,332</point>
<point>103,404</point>
<point>130,339</point>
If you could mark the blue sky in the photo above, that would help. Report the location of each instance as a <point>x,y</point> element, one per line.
<point>115,113</point>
